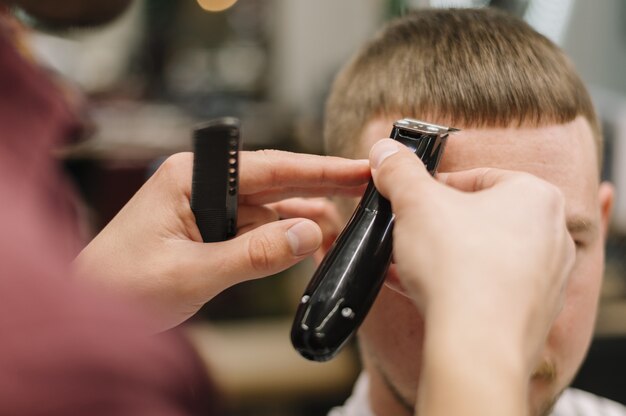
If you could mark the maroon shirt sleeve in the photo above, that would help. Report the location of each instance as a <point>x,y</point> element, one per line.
<point>64,350</point>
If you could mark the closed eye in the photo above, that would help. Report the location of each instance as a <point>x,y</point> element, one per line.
<point>583,230</point>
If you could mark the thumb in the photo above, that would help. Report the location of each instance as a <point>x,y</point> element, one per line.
<point>396,170</point>
<point>260,252</point>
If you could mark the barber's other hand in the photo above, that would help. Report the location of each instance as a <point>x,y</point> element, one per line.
<point>493,254</point>
<point>152,251</point>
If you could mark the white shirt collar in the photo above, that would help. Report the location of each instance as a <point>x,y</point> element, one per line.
<point>572,402</point>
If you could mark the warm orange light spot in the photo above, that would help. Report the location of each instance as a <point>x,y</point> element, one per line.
<point>216,5</point>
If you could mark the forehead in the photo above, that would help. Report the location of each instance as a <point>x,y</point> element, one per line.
<point>563,154</point>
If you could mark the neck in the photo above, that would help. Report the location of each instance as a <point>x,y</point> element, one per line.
<point>383,399</point>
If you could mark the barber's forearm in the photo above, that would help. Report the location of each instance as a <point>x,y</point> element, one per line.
<point>469,370</point>
<point>72,12</point>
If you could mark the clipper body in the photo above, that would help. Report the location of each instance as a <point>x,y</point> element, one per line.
<point>347,281</point>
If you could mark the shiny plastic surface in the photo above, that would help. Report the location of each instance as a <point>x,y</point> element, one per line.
<point>347,281</point>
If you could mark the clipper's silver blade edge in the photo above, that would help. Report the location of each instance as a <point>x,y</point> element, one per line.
<point>424,127</point>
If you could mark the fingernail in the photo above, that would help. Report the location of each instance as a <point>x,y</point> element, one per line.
<point>304,238</point>
<point>381,151</point>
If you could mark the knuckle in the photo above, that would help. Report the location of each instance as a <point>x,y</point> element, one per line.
<point>548,198</point>
<point>268,158</point>
<point>558,199</point>
<point>406,203</point>
<point>484,178</point>
<point>397,169</point>
<point>552,194</point>
<point>544,189</point>
<point>171,167</point>
<point>261,252</point>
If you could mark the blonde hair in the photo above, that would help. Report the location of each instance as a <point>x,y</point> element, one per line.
<point>465,67</point>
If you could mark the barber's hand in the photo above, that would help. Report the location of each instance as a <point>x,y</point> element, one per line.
<point>493,253</point>
<point>486,264</point>
<point>152,251</point>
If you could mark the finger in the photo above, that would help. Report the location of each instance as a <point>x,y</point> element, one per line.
<point>278,194</point>
<point>569,256</point>
<point>176,171</point>
<point>312,208</point>
<point>263,251</point>
<point>397,172</point>
<point>270,169</point>
<point>478,179</point>
<point>249,217</point>
<point>321,210</point>
<point>275,175</point>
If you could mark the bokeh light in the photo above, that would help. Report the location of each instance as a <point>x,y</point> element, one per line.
<point>216,5</point>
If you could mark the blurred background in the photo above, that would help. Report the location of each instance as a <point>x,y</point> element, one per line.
<point>166,65</point>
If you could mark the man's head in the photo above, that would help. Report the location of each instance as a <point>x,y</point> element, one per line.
<point>521,106</point>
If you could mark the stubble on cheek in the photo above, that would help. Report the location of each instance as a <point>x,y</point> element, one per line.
<point>546,372</point>
<point>407,403</point>
<point>390,341</point>
<point>544,391</point>
<point>545,388</point>
<point>383,386</point>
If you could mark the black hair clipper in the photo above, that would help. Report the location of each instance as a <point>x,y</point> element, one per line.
<point>347,281</point>
<point>214,188</point>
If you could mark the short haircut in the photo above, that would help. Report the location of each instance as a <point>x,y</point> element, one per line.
<point>462,67</point>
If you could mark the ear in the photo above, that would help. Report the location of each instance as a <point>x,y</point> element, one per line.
<point>606,194</point>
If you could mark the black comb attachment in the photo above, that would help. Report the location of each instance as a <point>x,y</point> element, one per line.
<point>215,181</point>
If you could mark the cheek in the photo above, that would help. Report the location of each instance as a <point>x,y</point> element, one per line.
<point>572,332</point>
<point>391,340</point>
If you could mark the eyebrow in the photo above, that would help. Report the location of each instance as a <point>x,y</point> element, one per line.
<point>579,225</point>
